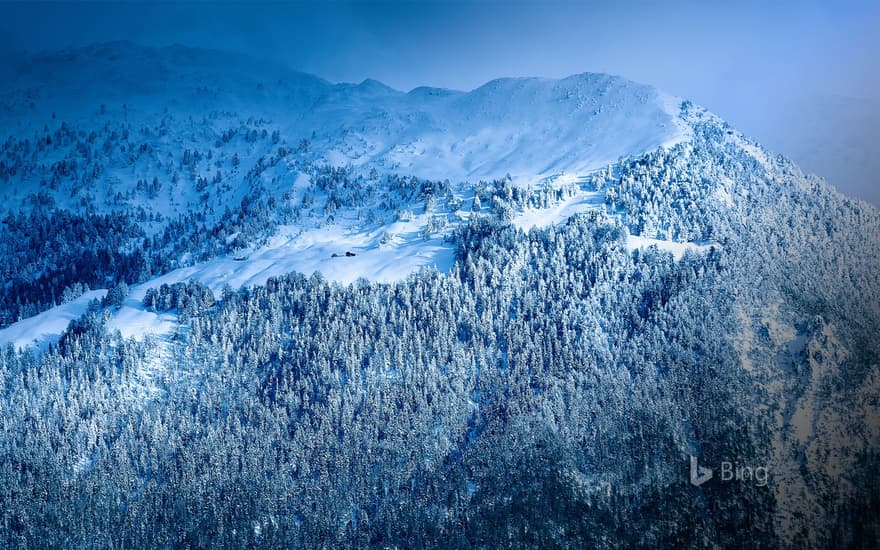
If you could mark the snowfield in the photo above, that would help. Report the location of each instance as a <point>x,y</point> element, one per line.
<point>678,249</point>
<point>46,327</point>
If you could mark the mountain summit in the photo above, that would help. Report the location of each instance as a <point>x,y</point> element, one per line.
<point>521,126</point>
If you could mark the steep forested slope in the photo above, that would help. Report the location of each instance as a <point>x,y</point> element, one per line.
<point>546,388</point>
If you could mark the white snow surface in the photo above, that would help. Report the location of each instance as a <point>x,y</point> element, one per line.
<point>313,251</point>
<point>678,249</point>
<point>46,327</point>
<point>519,126</point>
<point>543,217</point>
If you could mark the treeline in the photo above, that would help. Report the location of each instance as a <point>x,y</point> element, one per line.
<point>52,256</point>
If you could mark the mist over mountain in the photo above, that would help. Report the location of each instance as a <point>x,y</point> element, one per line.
<point>832,145</point>
<point>245,306</point>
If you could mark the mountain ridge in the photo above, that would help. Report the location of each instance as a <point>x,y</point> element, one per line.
<point>465,134</point>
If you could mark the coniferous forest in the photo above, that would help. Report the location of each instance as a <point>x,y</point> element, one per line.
<point>548,390</point>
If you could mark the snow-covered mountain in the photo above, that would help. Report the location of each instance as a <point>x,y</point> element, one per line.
<point>176,131</point>
<point>509,316</point>
<point>525,127</point>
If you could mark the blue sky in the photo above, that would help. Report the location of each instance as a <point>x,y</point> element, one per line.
<point>802,77</point>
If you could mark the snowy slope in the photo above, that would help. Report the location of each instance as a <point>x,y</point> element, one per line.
<point>521,126</point>
<point>40,330</point>
<point>677,249</point>
<point>132,115</point>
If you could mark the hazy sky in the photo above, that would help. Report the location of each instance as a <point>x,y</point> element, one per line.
<point>800,76</point>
